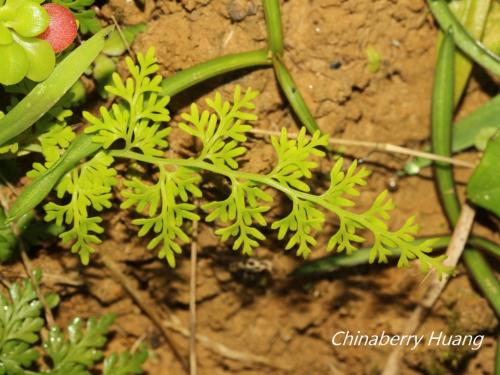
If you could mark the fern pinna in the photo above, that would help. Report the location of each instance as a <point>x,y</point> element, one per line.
<point>135,129</point>
<point>75,352</point>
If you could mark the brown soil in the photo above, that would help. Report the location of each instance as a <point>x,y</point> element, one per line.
<point>264,313</point>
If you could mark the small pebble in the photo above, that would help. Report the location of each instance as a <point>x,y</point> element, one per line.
<point>335,64</point>
<point>392,184</point>
<point>238,10</point>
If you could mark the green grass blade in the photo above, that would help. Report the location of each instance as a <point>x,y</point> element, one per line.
<point>485,279</point>
<point>473,15</point>
<point>273,23</point>
<point>191,76</point>
<point>331,263</point>
<point>441,121</point>
<point>442,112</point>
<point>294,96</point>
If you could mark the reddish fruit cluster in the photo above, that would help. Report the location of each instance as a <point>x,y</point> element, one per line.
<point>62,28</point>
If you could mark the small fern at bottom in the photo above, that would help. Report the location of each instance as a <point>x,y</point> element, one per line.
<point>75,352</point>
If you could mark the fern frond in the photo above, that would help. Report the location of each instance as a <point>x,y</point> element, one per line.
<point>125,363</point>
<point>304,220</point>
<point>82,348</point>
<point>242,209</point>
<point>89,187</point>
<point>74,353</point>
<point>133,130</point>
<point>166,204</point>
<point>138,116</point>
<point>293,158</point>
<point>222,129</point>
<point>20,324</point>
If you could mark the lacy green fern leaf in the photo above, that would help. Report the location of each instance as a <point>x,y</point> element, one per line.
<point>20,324</point>
<point>82,349</point>
<point>304,220</point>
<point>75,353</point>
<point>136,118</point>
<point>88,186</point>
<point>166,204</point>
<point>294,155</point>
<point>125,363</point>
<point>222,130</point>
<point>242,209</point>
<point>135,130</point>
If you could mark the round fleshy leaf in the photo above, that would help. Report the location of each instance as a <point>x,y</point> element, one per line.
<point>42,58</point>
<point>30,19</point>
<point>62,29</point>
<point>5,37</point>
<point>14,64</point>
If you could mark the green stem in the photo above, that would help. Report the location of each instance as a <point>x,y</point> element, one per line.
<point>189,77</point>
<point>472,48</point>
<point>482,243</point>
<point>294,96</point>
<point>275,44</point>
<point>473,16</point>
<point>442,110</point>
<point>484,277</point>
<point>333,262</point>
<point>273,24</point>
<point>359,257</point>
<point>441,121</point>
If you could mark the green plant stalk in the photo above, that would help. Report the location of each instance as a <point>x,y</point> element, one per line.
<point>441,134</point>
<point>475,50</point>
<point>484,277</point>
<point>485,244</point>
<point>473,18</point>
<point>465,131</point>
<point>189,77</point>
<point>442,116</point>
<point>46,94</point>
<point>294,96</point>
<point>275,45</point>
<point>333,262</point>
<point>274,28</point>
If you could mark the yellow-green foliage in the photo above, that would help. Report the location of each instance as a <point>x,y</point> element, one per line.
<point>136,129</point>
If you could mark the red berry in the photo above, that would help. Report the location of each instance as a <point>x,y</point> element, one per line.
<point>62,28</point>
